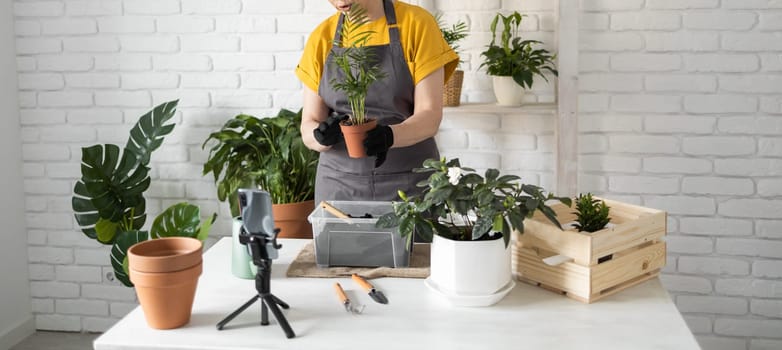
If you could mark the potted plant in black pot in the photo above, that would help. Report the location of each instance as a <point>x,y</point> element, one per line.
<point>110,207</point>
<point>358,70</point>
<point>513,62</point>
<point>452,90</point>
<point>470,219</point>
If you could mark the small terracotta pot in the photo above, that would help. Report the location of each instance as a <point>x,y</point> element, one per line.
<point>291,219</point>
<point>354,137</point>
<point>165,272</point>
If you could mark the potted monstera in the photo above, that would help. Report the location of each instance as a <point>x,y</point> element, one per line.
<point>358,69</point>
<point>470,219</point>
<point>110,207</point>
<point>513,62</point>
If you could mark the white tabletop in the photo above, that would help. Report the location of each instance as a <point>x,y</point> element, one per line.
<point>641,317</point>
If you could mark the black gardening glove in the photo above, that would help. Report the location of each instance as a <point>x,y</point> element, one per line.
<point>328,133</point>
<point>377,143</point>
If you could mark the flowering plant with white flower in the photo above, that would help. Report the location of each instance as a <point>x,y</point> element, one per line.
<point>459,204</point>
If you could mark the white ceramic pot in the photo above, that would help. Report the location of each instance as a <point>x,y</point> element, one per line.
<point>507,91</point>
<point>470,268</point>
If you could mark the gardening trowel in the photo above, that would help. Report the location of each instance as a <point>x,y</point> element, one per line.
<point>374,293</point>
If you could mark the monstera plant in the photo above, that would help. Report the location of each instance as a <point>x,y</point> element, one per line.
<point>108,200</point>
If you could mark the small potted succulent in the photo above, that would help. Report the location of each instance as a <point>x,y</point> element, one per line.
<point>470,219</point>
<point>359,69</point>
<point>592,216</point>
<point>514,62</point>
<point>452,90</point>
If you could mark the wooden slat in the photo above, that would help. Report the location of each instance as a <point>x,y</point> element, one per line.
<point>566,133</point>
<point>627,267</point>
<point>569,277</point>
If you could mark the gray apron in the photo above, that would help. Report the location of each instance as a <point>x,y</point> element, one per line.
<point>390,100</point>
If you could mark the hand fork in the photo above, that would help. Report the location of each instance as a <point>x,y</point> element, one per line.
<point>349,306</point>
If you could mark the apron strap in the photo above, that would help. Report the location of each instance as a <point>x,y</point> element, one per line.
<point>393,30</point>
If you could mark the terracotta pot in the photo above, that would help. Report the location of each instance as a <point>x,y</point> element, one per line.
<point>165,272</point>
<point>291,219</point>
<point>354,138</point>
<point>165,254</point>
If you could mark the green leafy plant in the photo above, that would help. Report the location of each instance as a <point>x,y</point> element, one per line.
<point>515,57</point>
<point>267,152</point>
<point>591,213</point>
<point>453,34</point>
<point>357,63</point>
<point>459,204</point>
<point>108,200</point>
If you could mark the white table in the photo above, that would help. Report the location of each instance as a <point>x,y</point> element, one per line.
<point>641,317</point>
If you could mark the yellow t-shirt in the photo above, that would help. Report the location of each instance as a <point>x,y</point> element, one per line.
<point>424,48</point>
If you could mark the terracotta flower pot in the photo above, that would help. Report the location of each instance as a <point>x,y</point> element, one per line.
<point>291,218</point>
<point>165,272</point>
<point>354,137</point>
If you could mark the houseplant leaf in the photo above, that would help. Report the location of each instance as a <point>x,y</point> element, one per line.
<point>119,253</point>
<point>148,133</point>
<point>181,219</point>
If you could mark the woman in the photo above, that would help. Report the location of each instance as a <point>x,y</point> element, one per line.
<point>407,102</point>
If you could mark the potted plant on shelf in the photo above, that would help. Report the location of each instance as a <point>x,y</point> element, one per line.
<point>452,92</point>
<point>514,62</point>
<point>266,153</point>
<point>358,69</point>
<point>470,219</point>
<point>110,207</point>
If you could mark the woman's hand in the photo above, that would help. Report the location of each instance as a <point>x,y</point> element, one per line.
<point>329,133</point>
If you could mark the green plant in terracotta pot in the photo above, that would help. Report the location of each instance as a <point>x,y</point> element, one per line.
<point>514,62</point>
<point>267,153</point>
<point>108,200</point>
<point>359,69</point>
<point>470,219</point>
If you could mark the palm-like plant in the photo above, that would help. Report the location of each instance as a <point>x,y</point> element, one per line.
<point>356,62</point>
<point>108,200</point>
<point>515,57</point>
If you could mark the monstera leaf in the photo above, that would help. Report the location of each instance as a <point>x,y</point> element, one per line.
<point>181,220</point>
<point>119,253</point>
<point>148,133</point>
<point>109,197</point>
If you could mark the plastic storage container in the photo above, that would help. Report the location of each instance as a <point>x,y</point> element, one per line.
<point>356,241</point>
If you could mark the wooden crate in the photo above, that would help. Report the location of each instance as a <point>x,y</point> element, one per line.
<point>634,244</point>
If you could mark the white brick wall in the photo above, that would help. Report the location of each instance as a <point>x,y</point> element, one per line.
<point>680,109</point>
<point>704,77</point>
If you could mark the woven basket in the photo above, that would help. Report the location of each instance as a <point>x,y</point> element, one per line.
<point>452,92</point>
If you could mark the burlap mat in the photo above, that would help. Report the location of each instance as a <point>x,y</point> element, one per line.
<point>304,266</point>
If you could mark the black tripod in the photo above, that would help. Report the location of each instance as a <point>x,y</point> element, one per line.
<point>258,248</point>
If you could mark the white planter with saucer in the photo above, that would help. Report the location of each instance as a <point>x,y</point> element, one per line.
<point>470,273</point>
